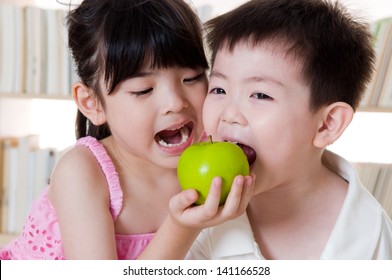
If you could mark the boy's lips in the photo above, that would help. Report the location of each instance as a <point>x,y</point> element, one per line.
<point>175,139</point>
<point>248,151</point>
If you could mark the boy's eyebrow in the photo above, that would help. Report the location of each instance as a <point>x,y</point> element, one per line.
<point>217,74</point>
<point>250,79</point>
<point>263,79</point>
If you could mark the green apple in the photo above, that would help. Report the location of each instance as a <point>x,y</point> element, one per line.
<point>201,162</point>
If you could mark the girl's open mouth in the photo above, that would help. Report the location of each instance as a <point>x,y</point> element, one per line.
<point>174,137</point>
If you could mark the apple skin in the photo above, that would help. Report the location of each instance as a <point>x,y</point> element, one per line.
<point>201,162</point>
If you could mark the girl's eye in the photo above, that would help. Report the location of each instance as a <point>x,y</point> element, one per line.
<point>261,96</point>
<point>142,92</point>
<point>217,91</point>
<point>194,79</point>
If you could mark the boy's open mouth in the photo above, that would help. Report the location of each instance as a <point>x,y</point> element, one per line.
<point>249,152</point>
<point>174,137</point>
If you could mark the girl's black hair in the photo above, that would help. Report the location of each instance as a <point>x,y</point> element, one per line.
<point>112,39</point>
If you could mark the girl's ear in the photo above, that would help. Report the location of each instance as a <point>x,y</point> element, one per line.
<point>335,119</point>
<point>88,104</point>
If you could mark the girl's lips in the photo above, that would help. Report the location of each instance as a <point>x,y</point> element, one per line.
<point>175,141</point>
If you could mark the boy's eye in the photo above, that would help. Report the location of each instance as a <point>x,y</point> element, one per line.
<point>217,91</point>
<point>195,78</point>
<point>260,95</point>
<point>142,92</point>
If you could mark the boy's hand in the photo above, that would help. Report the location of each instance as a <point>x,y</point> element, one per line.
<point>210,213</point>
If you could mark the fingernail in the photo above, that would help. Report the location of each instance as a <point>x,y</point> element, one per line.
<point>248,181</point>
<point>240,180</point>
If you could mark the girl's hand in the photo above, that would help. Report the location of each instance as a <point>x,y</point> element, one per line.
<point>185,221</point>
<point>210,213</point>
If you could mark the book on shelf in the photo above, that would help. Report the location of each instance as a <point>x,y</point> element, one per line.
<point>35,50</point>
<point>67,67</point>
<point>58,58</point>
<point>368,173</point>
<point>34,55</point>
<point>379,92</point>
<point>377,178</point>
<point>18,81</point>
<point>6,50</point>
<point>385,99</point>
<point>26,169</point>
<point>9,167</point>
<point>6,149</point>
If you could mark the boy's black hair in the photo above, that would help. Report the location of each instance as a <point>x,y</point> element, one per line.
<point>114,38</point>
<point>336,49</point>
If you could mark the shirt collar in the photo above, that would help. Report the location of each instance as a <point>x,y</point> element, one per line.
<point>234,238</point>
<point>357,228</point>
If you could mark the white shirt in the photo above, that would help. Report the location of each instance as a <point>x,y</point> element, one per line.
<point>363,230</point>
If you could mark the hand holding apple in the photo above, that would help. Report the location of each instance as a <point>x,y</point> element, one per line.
<point>201,162</point>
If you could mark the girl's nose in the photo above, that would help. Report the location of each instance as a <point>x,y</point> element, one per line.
<point>175,102</point>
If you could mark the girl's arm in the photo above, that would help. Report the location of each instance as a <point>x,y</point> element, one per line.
<point>79,193</point>
<point>176,235</point>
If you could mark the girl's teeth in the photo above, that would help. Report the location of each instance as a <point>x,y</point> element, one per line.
<point>184,137</point>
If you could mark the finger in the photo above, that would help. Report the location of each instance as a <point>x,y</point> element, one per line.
<point>247,192</point>
<point>182,201</point>
<point>233,200</point>
<point>211,205</point>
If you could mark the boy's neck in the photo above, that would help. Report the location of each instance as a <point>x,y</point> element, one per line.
<point>291,214</point>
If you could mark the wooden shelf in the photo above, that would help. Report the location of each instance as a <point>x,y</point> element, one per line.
<point>375,109</point>
<point>35,96</point>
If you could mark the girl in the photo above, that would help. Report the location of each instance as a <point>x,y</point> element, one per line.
<point>142,85</point>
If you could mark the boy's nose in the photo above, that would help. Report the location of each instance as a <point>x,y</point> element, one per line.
<point>232,114</point>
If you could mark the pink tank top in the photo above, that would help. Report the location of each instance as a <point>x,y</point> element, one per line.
<point>41,239</point>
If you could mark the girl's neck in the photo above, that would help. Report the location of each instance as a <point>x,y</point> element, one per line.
<point>136,167</point>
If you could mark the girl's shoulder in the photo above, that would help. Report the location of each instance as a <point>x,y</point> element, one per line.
<point>88,171</point>
<point>81,159</point>
<point>79,170</point>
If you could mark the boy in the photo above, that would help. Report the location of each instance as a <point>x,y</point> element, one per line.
<point>287,76</point>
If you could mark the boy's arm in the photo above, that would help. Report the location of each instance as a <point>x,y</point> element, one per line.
<point>178,232</point>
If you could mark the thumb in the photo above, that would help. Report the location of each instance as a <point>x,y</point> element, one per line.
<point>182,200</point>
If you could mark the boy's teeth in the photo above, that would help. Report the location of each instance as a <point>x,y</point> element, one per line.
<point>184,137</point>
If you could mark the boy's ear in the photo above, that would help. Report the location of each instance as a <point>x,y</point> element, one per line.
<point>335,119</point>
<point>88,104</point>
